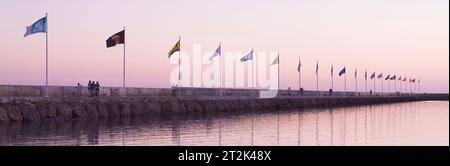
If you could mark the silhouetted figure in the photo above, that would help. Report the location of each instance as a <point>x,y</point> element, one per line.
<point>97,89</point>
<point>289,91</point>
<point>173,90</point>
<point>90,86</point>
<point>78,89</point>
<point>370,92</point>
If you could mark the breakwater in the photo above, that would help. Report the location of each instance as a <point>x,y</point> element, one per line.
<point>26,110</point>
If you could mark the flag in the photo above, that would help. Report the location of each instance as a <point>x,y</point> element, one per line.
<point>299,64</point>
<point>400,78</point>
<point>175,48</point>
<point>387,77</point>
<point>317,68</point>
<point>365,75</point>
<point>393,77</point>
<point>276,60</point>
<point>380,76</point>
<point>332,70</point>
<point>118,38</point>
<point>356,71</point>
<point>404,79</point>
<point>38,26</point>
<point>410,80</point>
<point>372,76</point>
<point>249,56</point>
<point>342,71</point>
<point>217,53</point>
<point>413,80</point>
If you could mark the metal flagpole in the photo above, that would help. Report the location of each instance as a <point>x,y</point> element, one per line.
<point>345,82</point>
<point>395,85</point>
<point>356,81</point>
<point>365,81</point>
<point>124,88</point>
<point>278,71</point>
<point>252,70</point>
<point>419,85</point>
<point>299,74</point>
<point>46,55</point>
<point>389,86</point>
<point>332,78</point>
<point>220,46</point>
<point>406,86</point>
<point>374,78</point>
<point>317,77</point>
<point>179,67</point>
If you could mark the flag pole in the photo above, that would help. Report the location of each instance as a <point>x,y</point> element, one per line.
<point>374,78</point>
<point>317,77</point>
<point>365,81</point>
<point>46,55</point>
<point>299,74</point>
<point>345,82</point>
<point>278,71</point>
<point>179,67</point>
<point>332,78</point>
<point>395,85</point>
<point>389,85</point>
<point>252,70</point>
<point>124,88</point>
<point>220,46</point>
<point>356,81</point>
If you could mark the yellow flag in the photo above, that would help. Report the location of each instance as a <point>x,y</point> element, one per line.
<point>175,48</point>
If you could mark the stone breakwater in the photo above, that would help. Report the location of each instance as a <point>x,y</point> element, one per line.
<point>103,108</point>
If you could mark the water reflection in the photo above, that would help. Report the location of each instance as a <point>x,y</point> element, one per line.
<point>415,123</point>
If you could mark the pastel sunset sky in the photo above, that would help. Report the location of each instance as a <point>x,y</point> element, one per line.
<point>402,37</point>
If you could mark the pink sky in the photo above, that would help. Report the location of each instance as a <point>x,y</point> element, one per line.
<point>407,37</point>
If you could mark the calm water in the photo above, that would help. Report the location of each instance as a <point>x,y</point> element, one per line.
<point>414,123</point>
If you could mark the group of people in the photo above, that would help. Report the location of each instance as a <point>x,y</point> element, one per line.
<point>93,88</point>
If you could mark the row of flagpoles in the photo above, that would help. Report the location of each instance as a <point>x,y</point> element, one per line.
<point>276,61</point>
<point>41,26</point>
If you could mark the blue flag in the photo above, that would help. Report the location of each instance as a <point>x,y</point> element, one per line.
<point>38,26</point>
<point>249,56</point>
<point>217,53</point>
<point>342,71</point>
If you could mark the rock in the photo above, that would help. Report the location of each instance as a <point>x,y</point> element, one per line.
<point>91,111</point>
<point>113,109</point>
<point>43,110</point>
<point>155,107</point>
<point>14,113</point>
<point>169,107</point>
<point>124,110</point>
<point>62,111</point>
<point>29,112</point>
<point>52,110</point>
<point>79,112</point>
<point>3,115</point>
<point>102,110</point>
<point>192,106</point>
<point>137,109</point>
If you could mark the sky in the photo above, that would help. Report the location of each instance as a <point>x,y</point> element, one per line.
<point>402,37</point>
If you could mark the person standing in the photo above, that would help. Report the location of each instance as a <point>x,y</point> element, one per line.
<point>90,88</point>
<point>97,89</point>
